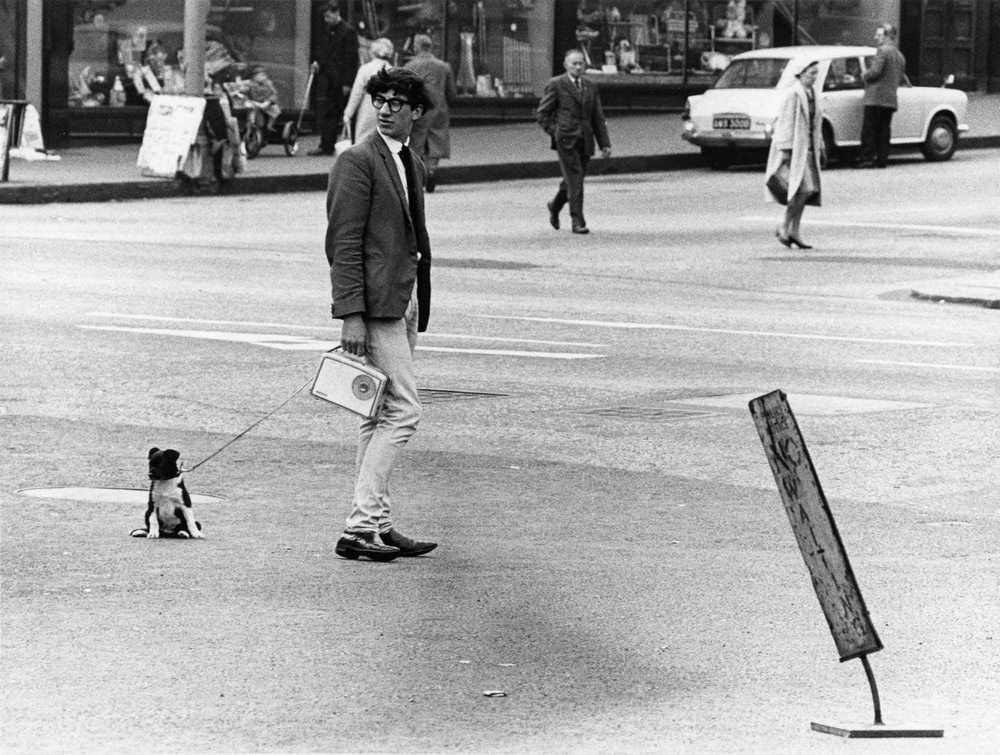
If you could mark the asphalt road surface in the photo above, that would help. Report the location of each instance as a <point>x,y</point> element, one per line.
<point>614,554</point>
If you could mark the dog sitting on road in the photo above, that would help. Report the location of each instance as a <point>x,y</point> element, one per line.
<point>169,512</point>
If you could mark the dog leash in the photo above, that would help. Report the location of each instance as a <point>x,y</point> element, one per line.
<point>244,432</point>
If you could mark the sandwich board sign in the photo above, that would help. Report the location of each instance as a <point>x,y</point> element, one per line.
<point>171,128</point>
<point>822,550</point>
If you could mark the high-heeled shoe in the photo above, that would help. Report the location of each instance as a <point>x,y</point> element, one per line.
<point>785,240</point>
<point>798,242</point>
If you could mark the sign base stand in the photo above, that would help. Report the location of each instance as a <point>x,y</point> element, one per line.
<point>875,731</point>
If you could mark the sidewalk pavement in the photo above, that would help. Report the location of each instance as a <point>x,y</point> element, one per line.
<point>506,151</point>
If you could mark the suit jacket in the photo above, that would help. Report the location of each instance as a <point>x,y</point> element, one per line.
<point>432,128</point>
<point>565,112</point>
<point>336,51</point>
<point>372,241</point>
<point>884,75</point>
<point>792,131</point>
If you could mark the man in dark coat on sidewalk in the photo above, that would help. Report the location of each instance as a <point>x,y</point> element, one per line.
<point>570,112</point>
<point>335,63</point>
<point>884,75</point>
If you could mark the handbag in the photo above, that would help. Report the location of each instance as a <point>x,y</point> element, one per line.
<point>350,383</point>
<point>777,183</point>
<point>345,141</point>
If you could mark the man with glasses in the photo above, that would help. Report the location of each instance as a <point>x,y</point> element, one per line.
<point>380,258</point>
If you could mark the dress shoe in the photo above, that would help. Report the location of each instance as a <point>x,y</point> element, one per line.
<point>553,215</point>
<point>797,242</point>
<point>431,183</point>
<point>319,151</point>
<point>866,164</point>
<point>784,240</point>
<point>407,546</point>
<point>353,545</point>
<point>580,229</point>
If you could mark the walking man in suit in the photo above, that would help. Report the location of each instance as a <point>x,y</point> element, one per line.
<point>570,112</point>
<point>380,258</point>
<point>884,75</point>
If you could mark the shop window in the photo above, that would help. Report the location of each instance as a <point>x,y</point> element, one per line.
<point>666,36</point>
<point>126,51</point>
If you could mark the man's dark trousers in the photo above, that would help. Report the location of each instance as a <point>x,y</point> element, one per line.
<point>876,132</point>
<point>573,161</point>
<point>330,102</point>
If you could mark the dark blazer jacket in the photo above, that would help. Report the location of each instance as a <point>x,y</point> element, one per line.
<point>566,112</point>
<point>885,74</point>
<point>372,241</point>
<point>336,51</point>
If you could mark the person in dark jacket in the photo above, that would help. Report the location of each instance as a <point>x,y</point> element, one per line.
<point>380,260</point>
<point>335,62</point>
<point>570,112</point>
<point>884,75</point>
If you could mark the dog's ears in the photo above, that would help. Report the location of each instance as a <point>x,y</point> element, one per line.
<point>152,451</point>
<point>172,455</point>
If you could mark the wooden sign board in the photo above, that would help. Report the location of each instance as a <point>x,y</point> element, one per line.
<point>814,527</point>
<point>171,128</point>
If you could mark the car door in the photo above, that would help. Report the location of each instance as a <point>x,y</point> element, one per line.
<point>908,121</point>
<point>841,97</point>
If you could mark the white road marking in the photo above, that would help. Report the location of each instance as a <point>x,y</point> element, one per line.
<point>957,230</point>
<point>286,342</point>
<point>964,367</point>
<point>435,334</point>
<point>724,331</point>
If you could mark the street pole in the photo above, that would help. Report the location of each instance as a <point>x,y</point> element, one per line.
<point>195,21</point>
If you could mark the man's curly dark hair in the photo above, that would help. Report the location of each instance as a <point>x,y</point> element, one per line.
<point>404,83</point>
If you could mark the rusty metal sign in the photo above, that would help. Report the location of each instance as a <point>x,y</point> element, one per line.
<point>814,528</point>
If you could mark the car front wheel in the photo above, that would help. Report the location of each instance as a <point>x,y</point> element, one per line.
<point>942,139</point>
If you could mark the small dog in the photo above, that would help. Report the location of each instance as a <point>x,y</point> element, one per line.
<point>169,513</point>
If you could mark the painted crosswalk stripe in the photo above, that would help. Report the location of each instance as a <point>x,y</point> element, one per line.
<point>428,334</point>
<point>723,331</point>
<point>957,230</point>
<point>932,365</point>
<point>285,342</point>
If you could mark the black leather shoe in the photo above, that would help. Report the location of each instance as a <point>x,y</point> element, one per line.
<point>580,229</point>
<point>431,183</point>
<point>553,215</point>
<point>407,546</point>
<point>353,545</point>
<point>319,151</point>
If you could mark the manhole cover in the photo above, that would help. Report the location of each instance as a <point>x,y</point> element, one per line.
<point>648,413</point>
<point>131,496</point>
<point>437,395</point>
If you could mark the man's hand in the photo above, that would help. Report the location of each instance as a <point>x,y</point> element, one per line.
<point>354,335</point>
<point>346,90</point>
<point>605,151</point>
<point>314,66</point>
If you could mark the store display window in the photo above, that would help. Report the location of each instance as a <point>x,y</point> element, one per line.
<point>126,51</point>
<point>668,37</point>
<point>496,48</point>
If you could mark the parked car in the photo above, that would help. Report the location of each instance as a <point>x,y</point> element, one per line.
<point>737,114</point>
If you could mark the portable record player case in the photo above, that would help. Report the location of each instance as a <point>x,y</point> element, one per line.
<point>350,384</point>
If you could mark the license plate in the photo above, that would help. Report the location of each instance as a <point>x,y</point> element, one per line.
<point>729,122</point>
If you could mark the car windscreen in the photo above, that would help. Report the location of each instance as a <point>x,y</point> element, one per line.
<point>752,73</point>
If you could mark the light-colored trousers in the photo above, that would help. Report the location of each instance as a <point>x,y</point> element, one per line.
<point>390,349</point>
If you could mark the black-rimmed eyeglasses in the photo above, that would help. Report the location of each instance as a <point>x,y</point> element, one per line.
<point>395,104</point>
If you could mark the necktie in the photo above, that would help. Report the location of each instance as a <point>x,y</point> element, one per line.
<point>411,180</point>
<point>579,86</point>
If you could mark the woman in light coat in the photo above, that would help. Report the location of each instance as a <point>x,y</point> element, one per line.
<point>797,143</point>
<point>358,103</point>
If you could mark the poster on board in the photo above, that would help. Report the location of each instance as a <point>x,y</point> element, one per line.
<point>171,128</point>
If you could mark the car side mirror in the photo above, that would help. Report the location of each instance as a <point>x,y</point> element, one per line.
<point>948,80</point>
